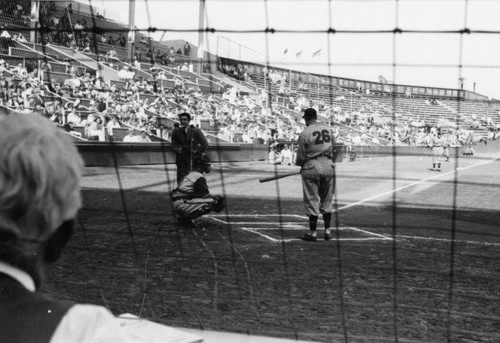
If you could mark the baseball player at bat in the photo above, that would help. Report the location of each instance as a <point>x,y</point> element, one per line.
<point>315,157</point>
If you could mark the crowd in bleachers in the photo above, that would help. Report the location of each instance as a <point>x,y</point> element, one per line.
<point>80,98</point>
<point>84,99</point>
<point>17,9</point>
<point>369,118</point>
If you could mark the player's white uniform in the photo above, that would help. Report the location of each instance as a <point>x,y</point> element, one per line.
<point>437,149</point>
<point>186,203</point>
<point>315,156</point>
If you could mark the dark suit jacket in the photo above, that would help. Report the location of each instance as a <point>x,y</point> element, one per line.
<point>27,317</point>
<point>188,141</point>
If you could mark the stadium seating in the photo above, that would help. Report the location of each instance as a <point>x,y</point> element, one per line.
<point>370,116</point>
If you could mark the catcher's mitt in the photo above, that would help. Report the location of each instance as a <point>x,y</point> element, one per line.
<point>219,203</point>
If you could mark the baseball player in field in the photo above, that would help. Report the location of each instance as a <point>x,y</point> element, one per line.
<point>192,198</point>
<point>436,144</point>
<point>315,156</point>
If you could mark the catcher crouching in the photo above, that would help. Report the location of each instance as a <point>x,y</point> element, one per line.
<point>192,198</point>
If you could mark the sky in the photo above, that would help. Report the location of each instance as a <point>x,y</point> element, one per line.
<point>413,58</point>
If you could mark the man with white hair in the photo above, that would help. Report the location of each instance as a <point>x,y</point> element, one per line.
<point>39,199</point>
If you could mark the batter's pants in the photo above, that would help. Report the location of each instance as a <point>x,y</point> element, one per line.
<point>318,185</point>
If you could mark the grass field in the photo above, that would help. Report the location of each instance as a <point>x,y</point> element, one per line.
<point>414,259</point>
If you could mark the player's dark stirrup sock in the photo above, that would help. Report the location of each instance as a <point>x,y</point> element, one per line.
<point>439,165</point>
<point>313,223</point>
<point>434,165</point>
<point>327,218</point>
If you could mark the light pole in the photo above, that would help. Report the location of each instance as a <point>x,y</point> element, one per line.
<point>131,33</point>
<point>461,80</point>
<point>201,25</point>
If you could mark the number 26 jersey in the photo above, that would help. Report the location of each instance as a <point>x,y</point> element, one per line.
<point>316,140</point>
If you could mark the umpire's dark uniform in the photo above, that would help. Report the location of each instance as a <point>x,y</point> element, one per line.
<point>186,142</point>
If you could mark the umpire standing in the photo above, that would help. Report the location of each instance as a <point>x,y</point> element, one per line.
<point>315,156</point>
<point>187,141</point>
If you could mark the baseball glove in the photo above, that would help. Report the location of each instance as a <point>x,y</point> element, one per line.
<point>219,203</point>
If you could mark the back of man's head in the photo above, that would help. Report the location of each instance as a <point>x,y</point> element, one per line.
<point>310,113</point>
<point>202,163</point>
<point>40,173</point>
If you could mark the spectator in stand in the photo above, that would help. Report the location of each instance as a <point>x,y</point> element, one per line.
<point>125,74</point>
<point>286,153</point>
<point>3,66</point>
<point>78,27</point>
<point>274,156</point>
<point>163,59</point>
<point>71,69</point>
<point>144,138</point>
<point>111,55</point>
<point>21,70</point>
<point>73,118</point>
<point>96,129</point>
<point>35,98</point>
<point>55,112</point>
<point>137,64</point>
<point>45,68</point>
<point>113,123</point>
<point>87,49</point>
<point>20,38</point>
<point>187,49</point>
<point>185,67</point>
<point>122,40</point>
<point>34,235</point>
<point>131,136</point>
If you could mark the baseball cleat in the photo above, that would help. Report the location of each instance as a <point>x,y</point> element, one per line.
<point>308,238</point>
<point>328,236</point>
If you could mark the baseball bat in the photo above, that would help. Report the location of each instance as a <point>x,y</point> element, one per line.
<point>276,177</point>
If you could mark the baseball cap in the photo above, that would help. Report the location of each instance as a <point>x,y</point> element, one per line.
<point>310,113</point>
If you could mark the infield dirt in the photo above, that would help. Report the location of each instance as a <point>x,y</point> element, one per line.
<point>428,272</point>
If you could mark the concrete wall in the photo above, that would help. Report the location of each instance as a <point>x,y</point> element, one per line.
<point>381,151</point>
<point>491,146</point>
<point>110,154</point>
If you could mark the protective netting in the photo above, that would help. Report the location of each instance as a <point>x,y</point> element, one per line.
<point>414,251</point>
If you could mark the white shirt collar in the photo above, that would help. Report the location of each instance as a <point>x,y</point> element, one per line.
<point>22,277</point>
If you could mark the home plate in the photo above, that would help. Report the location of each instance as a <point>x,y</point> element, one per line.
<point>279,230</point>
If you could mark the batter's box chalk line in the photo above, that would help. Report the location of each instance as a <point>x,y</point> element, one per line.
<point>251,224</point>
<point>262,228</point>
